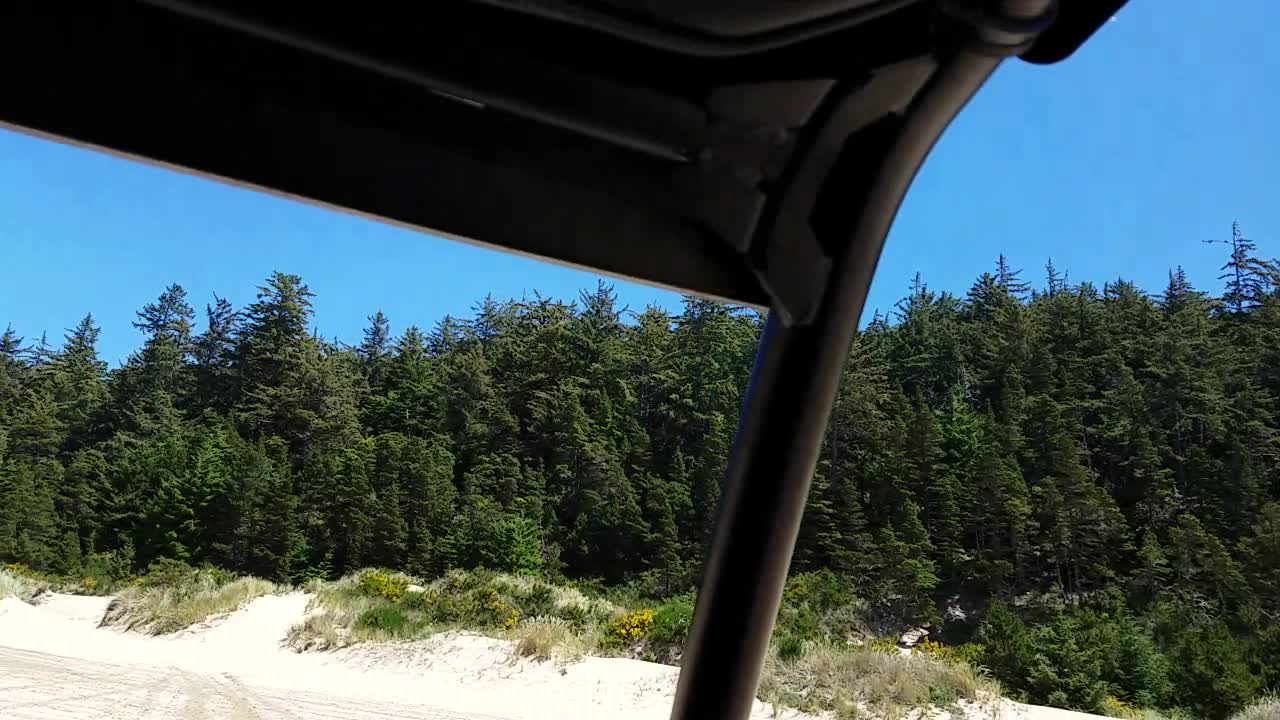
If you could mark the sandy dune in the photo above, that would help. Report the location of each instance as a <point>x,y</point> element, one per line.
<point>56,663</point>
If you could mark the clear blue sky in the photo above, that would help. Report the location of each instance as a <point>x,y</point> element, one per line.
<point>1117,162</point>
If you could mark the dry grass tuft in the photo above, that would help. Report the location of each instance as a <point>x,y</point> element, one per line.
<point>549,638</point>
<point>322,630</point>
<point>849,682</point>
<point>24,587</point>
<point>331,615</point>
<point>1267,708</point>
<point>164,609</point>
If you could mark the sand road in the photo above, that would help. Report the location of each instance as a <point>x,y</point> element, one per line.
<point>55,664</point>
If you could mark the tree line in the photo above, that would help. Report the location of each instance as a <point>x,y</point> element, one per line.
<point>1066,441</point>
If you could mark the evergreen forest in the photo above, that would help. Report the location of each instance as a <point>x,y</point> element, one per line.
<point>1039,464</point>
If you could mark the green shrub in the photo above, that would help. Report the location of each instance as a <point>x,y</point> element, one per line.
<point>1212,677</point>
<point>1135,669</point>
<point>819,589</point>
<point>446,609</point>
<point>419,601</point>
<point>1117,708</point>
<point>578,616</point>
<point>538,601</point>
<point>592,587</point>
<point>672,620</point>
<point>167,572</point>
<point>488,609</point>
<point>821,607</point>
<point>386,618</point>
<point>788,646</point>
<point>458,582</point>
<point>1076,658</point>
<point>1066,670</point>
<point>657,583</point>
<point>943,695</point>
<point>1007,647</point>
<point>110,566</point>
<point>800,621</point>
<point>104,576</point>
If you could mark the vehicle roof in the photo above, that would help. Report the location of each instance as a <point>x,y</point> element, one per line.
<point>649,139</point>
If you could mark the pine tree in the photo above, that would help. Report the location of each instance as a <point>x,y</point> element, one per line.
<point>388,541</point>
<point>170,526</point>
<point>273,350</point>
<point>714,344</point>
<point>13,371</point>
<point>1200,564</point>
<point>36,428</point>
<point>82,495</point>
<point>950,493</point>
<point>1001,510</point>
<point>1152,577</point>
<point>662,545</point>
<point>1260,556</point>
<point>1247,278</point>
<point>149,392</point>
<point>926,345</point>
<point>28,522</point>
<point>903,575</point>
<point>1080,528</point>
<point>1009,279</point>
<point>78,381</point>
<point>429,500</point>
<point>411,402</point>
<point>267,541</point>
<point>166,323</point>
<point>216,380</point>
<point>215,492</point>
<point>1054,282</point>
<point>375,348</point>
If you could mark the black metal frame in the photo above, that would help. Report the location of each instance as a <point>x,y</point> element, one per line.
<point>763,169</point>
<point>793,385</point>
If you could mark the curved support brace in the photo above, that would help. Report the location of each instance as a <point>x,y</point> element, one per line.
<point>793,384</point>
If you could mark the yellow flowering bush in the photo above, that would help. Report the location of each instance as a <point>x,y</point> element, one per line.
<point>884,643</point>
<point>929,647</point>
<point>632,626</point>
<point>1115,703</point>
<point>376,583</point>
<point>21,570</point>
<point>965,654</point>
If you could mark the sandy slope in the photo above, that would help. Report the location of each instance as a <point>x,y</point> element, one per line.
<point>56,663</point>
